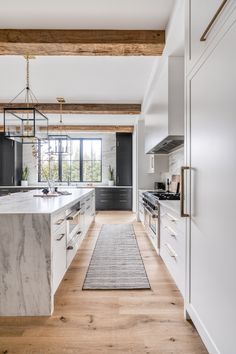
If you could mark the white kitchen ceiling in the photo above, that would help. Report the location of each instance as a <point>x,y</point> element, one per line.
<point>81,14</point>
<point>82,79</point>
<point>78,79</point>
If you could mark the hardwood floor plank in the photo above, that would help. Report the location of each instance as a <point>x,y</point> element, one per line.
<point>107,322</point>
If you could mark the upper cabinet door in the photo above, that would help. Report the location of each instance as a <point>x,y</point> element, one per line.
<point>211,127</point>
<point>204,19</point>
<point>124,159</point>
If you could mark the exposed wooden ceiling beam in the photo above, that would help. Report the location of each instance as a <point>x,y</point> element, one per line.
<point>89,128</point>
<point>93,128</point>
<point>81,42</point>
<point>81,108</point>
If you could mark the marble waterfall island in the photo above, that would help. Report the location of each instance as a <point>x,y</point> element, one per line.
<point>39,238</point>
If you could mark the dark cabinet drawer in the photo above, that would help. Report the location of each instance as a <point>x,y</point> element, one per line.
<point>113,198</point>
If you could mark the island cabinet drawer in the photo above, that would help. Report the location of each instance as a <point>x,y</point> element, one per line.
<point>73,247</point>
<point>58,221</point>
<point>59,257</point>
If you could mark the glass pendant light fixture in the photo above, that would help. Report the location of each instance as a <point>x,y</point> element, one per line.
<point>60,143</point>
<point>25,123</point>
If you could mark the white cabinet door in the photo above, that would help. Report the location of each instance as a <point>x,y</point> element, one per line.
<point>200,13</point>
<point>59,256</point>
<point>212,241</point>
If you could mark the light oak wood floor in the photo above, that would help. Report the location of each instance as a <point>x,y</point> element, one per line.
<point>118,322</point>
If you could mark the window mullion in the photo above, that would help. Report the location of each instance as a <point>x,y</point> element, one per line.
<point>59,162</point>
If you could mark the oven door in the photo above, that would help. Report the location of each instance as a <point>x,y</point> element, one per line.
<point>153,224</point>
<point>151,221</point>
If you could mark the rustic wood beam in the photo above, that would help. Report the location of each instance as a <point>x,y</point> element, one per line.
<point>80,108</point>
<point>89,128</point>
<point>81,42</point>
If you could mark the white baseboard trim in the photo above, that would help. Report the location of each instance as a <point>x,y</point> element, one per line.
<point>204,334</point>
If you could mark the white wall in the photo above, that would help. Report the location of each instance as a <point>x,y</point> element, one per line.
<point>146,180</point>
<point>108,155</point>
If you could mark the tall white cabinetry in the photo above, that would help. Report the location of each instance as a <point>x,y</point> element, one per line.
<point>210,154</point>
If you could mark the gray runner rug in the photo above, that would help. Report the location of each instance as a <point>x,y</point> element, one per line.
<point>116,262</point>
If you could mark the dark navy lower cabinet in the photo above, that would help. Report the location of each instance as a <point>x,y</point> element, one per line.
<point>113,198</point>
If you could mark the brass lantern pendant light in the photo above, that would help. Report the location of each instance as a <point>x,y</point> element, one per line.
<point>23,122</point>
<point>60,143</point>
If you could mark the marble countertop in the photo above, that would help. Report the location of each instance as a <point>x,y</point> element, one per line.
<point>26,203</point>
<point>63,186</point>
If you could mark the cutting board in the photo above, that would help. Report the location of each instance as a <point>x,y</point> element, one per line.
<point>175,179</point>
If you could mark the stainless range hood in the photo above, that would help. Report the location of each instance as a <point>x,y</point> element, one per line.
<point>164,118</point>
<point>167,145</point>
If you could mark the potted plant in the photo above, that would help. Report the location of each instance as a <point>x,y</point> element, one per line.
<point>24,176</point>
<point>110,176</point>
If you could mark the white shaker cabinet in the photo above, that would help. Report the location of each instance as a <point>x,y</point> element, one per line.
<point>210,153</point>
<point>172,245</point>
<point>200,13</point>
<point>59,249</point>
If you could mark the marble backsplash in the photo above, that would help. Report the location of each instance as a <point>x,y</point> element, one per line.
<point>176,160</point>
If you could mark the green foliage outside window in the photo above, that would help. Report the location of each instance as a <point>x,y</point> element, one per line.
<point>83,163</point>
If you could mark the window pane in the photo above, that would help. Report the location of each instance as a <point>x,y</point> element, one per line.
<point>75,150</point>
<point>92,149</point>
<point>49,170</point>
<point>75,171</point>
<point>87,171</point>
<point>97,171</point>
<point>65,170</point>
<point>70,163</point>
<point>92,160</point>
<point>92,171</point>
<point>44,171</point>
<point>54,175</point>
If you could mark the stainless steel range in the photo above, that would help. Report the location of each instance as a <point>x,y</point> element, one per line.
<point>152,213</point>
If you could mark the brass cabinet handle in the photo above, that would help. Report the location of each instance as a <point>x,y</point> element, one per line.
<point>182,213</point>
<point>73,215</point>
<point>205,33</point>
<point>59,222</point>
<point>61,237</point>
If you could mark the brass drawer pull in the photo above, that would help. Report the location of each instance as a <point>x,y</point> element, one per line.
<point>61,237</point>
<point>73,215</point>
<point>205,33</point>
<point>59,222</point>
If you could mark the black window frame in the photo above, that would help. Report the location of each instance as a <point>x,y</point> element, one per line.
<point>60,159</point>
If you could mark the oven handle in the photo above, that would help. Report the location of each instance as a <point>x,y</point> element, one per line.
<point>150,212</point>
<point>73,215</point>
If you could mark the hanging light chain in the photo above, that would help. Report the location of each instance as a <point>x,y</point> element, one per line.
<point>60,112</point>
<point>27,81</point>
